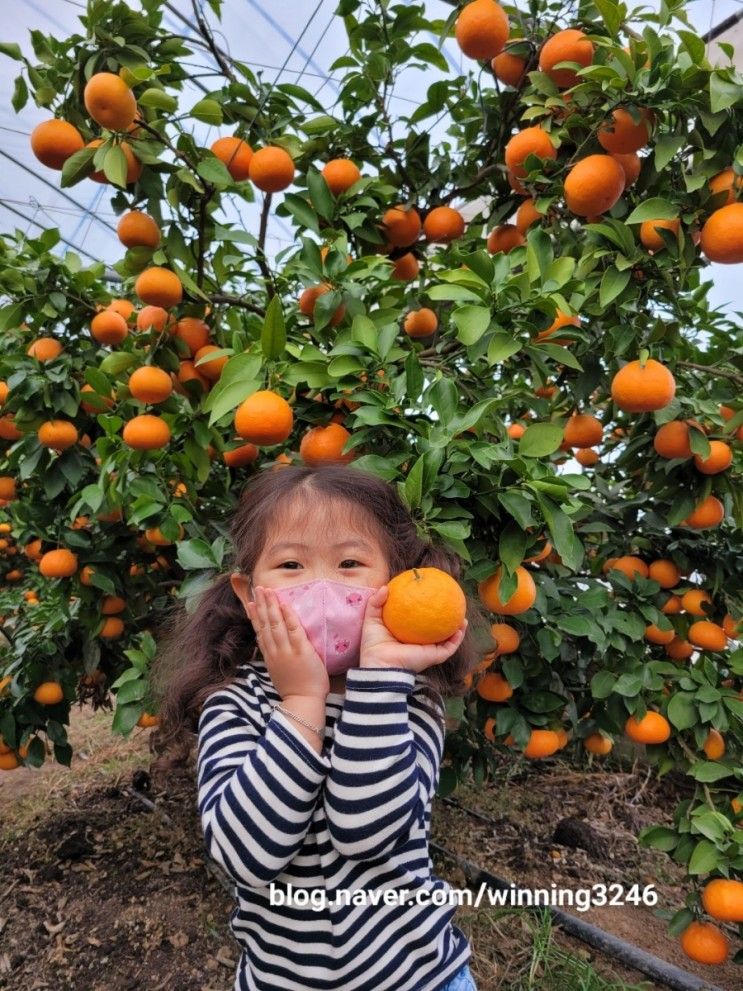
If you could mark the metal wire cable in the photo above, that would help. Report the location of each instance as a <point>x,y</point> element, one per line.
<point>31,220</point>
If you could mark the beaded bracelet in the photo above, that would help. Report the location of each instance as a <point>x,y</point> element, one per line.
<point>299,719</point>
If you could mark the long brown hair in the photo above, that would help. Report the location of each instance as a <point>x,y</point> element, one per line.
<point>201,645</point>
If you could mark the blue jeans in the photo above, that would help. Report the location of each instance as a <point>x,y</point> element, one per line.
<point>462,981</point>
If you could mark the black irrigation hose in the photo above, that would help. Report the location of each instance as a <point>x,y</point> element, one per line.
<point>667,973</point>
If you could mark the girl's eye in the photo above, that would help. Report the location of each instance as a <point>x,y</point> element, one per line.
<point>349,560</point>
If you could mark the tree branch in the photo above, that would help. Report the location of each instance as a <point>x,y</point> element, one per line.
<point>733,376</point>
<point>228,300</point>
<point>208,37</point>
<point>261,255</point>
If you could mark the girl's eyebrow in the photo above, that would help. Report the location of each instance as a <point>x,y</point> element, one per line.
<point>285,544</point>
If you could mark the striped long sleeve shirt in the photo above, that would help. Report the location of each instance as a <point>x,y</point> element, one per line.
<point>276,815</point>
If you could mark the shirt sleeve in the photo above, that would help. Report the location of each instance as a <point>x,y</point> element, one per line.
<point>385,762</point>
<point>257,789</point>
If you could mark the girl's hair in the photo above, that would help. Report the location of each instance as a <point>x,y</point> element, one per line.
<point>200,650</point>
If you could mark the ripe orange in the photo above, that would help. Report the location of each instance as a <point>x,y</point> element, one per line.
<point>154,535</point>
<point>133,164</point>
<point>212,367</point>
<point>264,418</point>
<point>146,432</point>
<point>520,601</point>
<point>506,637</point>
<point>714,745</point>
<point>665,573</point>
<point>593,185</point>
<point>443,225</point>
<point>401,226</point>
<point>124,307</point>
<point>508,67</point>
<point>582,430</point>
<point>150,384</point>
<point>679,649</point>
<point>61,563</point>
<point>542,743</point>
<point>707,636</point>
<point>109,101</point>
<point>238,457</point>
<point>621,135</point>
<point>112,604</point>
<point>154,317</point>
<point>45,348</point>
<point>720,457</point>
<point>7,487</point>
<point>598,744</point>
<point>672,439</point>
<point>53,141</point>
<point>49,693</point>
<point>147,720</point>
<point>108,327</point>
<point>493,687</point>
<point>708,513</point>
<point>722,235</point>
<point>505,237</point>
<point>271,169</point>
<point>653,727</point>
<point>57,434</point>
<point>194,332</point>
<point>530,141</point>
<point>322,444</point>
<point>515,430</point>
<point>159,287</point>
<point>421,323</point>
<point>424,606</point>
<point>236,155</point>
<point>526,215</point>
<point>650,237</point>
<point>187,372</point>
<point>561,320</point>
<point>138,230</point>
<point>482,29</point>
<point>309,298</point>
<point>340,174</point>
<point>630,566</point>
<point>631,166</point>
<point>726,182</point>
<point>570,45</point>
<point>655,635</point>
<point>705,943</point>
<point>640,389</point>
<point>406,268</point>
<point>722,899</point>
<point>112,628</point>
<point>733,627</point>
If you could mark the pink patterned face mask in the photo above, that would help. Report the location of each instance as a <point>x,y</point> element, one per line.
<point>332,616</point>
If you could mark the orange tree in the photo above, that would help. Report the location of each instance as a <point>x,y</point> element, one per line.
<point>509,276</point>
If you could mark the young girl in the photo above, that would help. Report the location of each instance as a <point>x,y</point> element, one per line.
<point>319,750</point>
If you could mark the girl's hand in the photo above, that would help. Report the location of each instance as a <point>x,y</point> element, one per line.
<point>293,663</point>
<point>380,649</point>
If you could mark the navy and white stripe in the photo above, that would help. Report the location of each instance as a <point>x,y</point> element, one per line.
<point>357,815</point>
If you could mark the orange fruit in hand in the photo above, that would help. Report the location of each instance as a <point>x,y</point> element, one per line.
<point>49,693</point>
<point>138,230</point>
<point>421,323</point>
<point>720,457</point>
<point>707,636</point>
<point>705,943</point>
<point>150,384</point>
<point>340,174</point>
<point>570,45</point>
<point>146,432</point>
<point>621,135</point>
<point>494,687</point>
<point>722,899</point>
<point>531,141</point>
<point>271,169</point>
<point>424,606</point>
<point>322,444</point>
<point>722,235</point>
<point>639,389</point>
<point>159,287</point>
<point>264,418</point>
<point>593,185</point>
<point>653,727</point>
<point>54,141</point>
<point>520,601</point>
<point>236,155</point>
<point>401,226</point>
<point>708,513</point>
<point>109,101</point>
<point>60,563</point>
<point>482,29</point>
<point>583,430</point>
<point>443,225</point>
<point>504,237</point>
<point>650,237</point>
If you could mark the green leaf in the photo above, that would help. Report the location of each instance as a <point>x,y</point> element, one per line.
<point>159,99</point>
<point>12,50</point>
<point>196,553</point>
<point>273,335</point>
<point>567,545</point>
<point>302,212</point>
<point>364,331</point>
<point>540,439</point>
<point>471,322</point>
<point>500,347</point>
<point>611,14</point>
<point>653,209</point>
<point>681,710</point>
<point>708,771</point>
<point>512,545</point>
<point>77,167</point>
<point>115,167</point>
<point>666,147</point>
<point>208,112</point>
<point>723,93</point>
<point>612,284</point>
<point>214,171</point>
<point>320,196</point>
<point>20,94</point>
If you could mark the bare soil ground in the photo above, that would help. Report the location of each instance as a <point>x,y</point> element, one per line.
<point>98,892</point>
